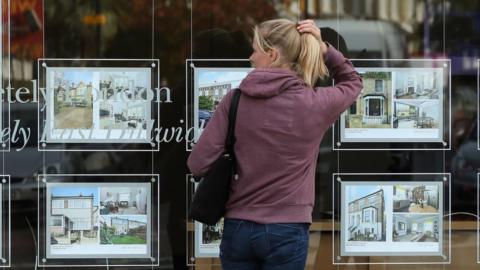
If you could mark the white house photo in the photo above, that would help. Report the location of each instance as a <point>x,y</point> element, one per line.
<point>366,216</point>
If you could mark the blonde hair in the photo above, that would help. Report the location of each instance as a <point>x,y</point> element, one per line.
<point>301,52</point>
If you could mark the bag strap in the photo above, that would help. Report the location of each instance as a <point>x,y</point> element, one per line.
<point>232,117</point>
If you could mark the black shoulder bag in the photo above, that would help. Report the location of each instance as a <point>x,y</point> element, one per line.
<point>211,194</point>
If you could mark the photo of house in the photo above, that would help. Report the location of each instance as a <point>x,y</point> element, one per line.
<point>416,114</point>
<point>419,84</point>
<point>212,86</point>
<point>126,230</point>
<point>416,228</point>
<point>124,115</point>
<point>366,213</point>
<point>373,106</point>
<point>72,99</point>
<point>123,201</point>
<point>74,216</point>
<point>212,234</point>
<point>215,91</point>
<point>124,85</point>
<point>415,198</point>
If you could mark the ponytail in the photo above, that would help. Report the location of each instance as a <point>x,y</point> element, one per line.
<point>310,60</point>
<point>301,52</point>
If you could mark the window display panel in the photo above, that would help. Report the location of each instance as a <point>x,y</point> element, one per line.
<point>208,82</point>
<point>403,104</point>
<point>105,220</point>
<point>96,220</point>
<point>407,213</point>
<point>5,222</point>
<point>203,241</point>
<point>394,215</point>
<point>98,105</point>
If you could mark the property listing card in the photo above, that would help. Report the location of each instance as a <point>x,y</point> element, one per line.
<point>92,220</point>
<point>397,105</point>
<point>392,218</point>
<point>98,105</point>
<point>207,238</point>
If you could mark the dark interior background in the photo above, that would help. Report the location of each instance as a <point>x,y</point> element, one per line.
<point>176,30</point>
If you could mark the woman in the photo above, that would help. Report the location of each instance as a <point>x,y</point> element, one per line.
<point>280,122</point>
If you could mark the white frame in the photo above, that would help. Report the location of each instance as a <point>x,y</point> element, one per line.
<point>41,63</point>
<point>49,250</point>
<point>447,62</point>
<point>50,117</point>
<point>336,177</point>
<point>155,178</point>
<point>192,238</point>
<point>190,258</point>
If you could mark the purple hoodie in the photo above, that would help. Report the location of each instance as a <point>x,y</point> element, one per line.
<point>280,123</point>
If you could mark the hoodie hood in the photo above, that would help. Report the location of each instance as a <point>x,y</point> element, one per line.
<point>269,82</point>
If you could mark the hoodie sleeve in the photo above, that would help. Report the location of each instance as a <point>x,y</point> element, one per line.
<point>348,84</point>
<point>211,143</point>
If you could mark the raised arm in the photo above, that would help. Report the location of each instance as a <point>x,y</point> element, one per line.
<point>348,83</point>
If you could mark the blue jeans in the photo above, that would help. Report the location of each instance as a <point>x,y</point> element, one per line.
<point>248,245</point>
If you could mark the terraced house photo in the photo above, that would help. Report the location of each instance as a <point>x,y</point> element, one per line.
<point>372,108</point>
<point>72,99</point>
<point>366,214</point>
<point>74,216</point>
<point>213,85</point>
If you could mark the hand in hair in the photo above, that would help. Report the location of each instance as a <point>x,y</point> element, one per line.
<point>309,27</point>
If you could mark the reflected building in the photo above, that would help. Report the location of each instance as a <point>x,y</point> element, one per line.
<point>404,12</point>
